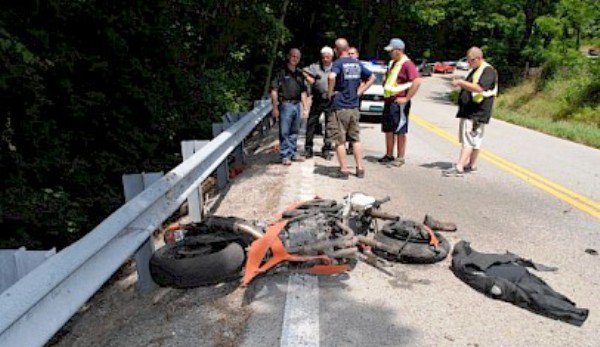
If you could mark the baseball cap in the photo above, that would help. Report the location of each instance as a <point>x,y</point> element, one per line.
<point>394,44</point>
<point>327,50</point>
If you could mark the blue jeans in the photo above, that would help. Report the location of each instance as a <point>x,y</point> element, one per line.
<point>289,125</point>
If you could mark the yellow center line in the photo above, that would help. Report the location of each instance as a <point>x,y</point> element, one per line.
<point>579,201</point>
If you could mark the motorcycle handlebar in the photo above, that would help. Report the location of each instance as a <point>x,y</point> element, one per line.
<point>380,202</point>
<point>383,215</point>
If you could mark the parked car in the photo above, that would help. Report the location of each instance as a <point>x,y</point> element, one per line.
<point>371,102</point>
<point>462,64</point>
<point>423,67</point>
<point>443,67</point>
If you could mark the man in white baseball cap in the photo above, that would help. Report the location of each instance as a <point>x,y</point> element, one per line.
<point>316,75</point>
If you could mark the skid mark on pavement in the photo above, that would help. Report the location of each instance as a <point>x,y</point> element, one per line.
<point>579,201</point>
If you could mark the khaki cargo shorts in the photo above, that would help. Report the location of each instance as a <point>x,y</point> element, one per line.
<point>344,126</point>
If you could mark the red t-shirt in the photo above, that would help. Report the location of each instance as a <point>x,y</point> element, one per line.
<point>407,73</point>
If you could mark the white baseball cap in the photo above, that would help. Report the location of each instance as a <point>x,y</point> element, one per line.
<point>326,50</point>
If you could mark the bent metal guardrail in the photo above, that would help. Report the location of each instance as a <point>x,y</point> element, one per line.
<point>34,308</point>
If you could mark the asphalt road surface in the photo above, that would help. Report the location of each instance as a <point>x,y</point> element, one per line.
<point>534,195</point>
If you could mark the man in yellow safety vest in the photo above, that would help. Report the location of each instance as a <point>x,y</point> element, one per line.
<point>401,83</point>
<point>475,103</point>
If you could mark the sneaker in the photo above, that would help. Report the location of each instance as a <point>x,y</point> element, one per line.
<point>398,162</point>
<point>308,153</point>
<point>471,169</point>
<point>454,172</point>
<point>286,161</point>
<point>298,158</point>
<point>385,159</point>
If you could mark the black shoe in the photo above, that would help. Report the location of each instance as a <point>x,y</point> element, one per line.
<point>308,153</point>
<point>343,175</point>
<point>435,224</point>
<point>386,159</point>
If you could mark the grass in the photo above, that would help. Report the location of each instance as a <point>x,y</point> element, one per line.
<point>571,130</point>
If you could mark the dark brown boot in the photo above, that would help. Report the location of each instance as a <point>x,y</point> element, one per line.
<point>437,225</point>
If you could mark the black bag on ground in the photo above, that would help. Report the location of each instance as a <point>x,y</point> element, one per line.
<point>505,277</point>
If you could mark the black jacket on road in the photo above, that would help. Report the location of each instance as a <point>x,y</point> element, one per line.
<point>505,277</point>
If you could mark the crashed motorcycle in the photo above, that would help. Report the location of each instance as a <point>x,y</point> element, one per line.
<point>320,236</point>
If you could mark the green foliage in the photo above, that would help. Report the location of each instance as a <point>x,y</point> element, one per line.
<point>453,96</point>
<point>90,90</point>
<point>574,131</point>
<point>564,103</point>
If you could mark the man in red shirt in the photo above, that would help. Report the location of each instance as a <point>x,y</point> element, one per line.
<point>401,84</point>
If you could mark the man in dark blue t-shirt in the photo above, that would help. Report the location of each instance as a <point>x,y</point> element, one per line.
<point>345,89</point>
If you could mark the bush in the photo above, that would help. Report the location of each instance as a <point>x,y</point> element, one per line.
<point>453,96</point>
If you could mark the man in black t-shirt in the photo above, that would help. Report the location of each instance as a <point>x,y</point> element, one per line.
<point>290,103</point>
<point>475,103</point>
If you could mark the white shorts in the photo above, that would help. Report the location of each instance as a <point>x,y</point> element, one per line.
<point>467,136</point>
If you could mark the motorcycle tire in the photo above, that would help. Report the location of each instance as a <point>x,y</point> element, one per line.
<point>415,251</point>
<point>197,261</point>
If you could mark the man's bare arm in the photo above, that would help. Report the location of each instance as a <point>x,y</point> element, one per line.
<point>416,83</point>
<point>305,106</point>
<point>308,77</point>
<point>330,84</point>
<point>275,103</point>
<point>470,86</point>
<point>364,86</point>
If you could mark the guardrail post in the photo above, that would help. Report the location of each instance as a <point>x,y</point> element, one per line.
<point>195,199</point>
<point>132,186</point>
<point>265,123</point>
<point>39,304</point>
<point>239,150</point>
<point>223,169</point>
<point>228,120</point>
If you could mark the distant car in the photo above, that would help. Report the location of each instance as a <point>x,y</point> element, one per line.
<point>462,64</point>
<point>371,102</point>
<point>423,67</point>
<point>443,67</point>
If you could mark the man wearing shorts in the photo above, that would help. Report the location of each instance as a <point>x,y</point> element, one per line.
<point>475,103</point>
<point>401,83</point>
<point>344,90</point>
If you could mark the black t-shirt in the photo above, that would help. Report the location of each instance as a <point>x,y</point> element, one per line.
<point>289,84</point>
<point>480,112</point>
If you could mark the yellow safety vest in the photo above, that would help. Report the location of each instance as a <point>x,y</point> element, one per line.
<point>479,97</point>
<point>391,86</point>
